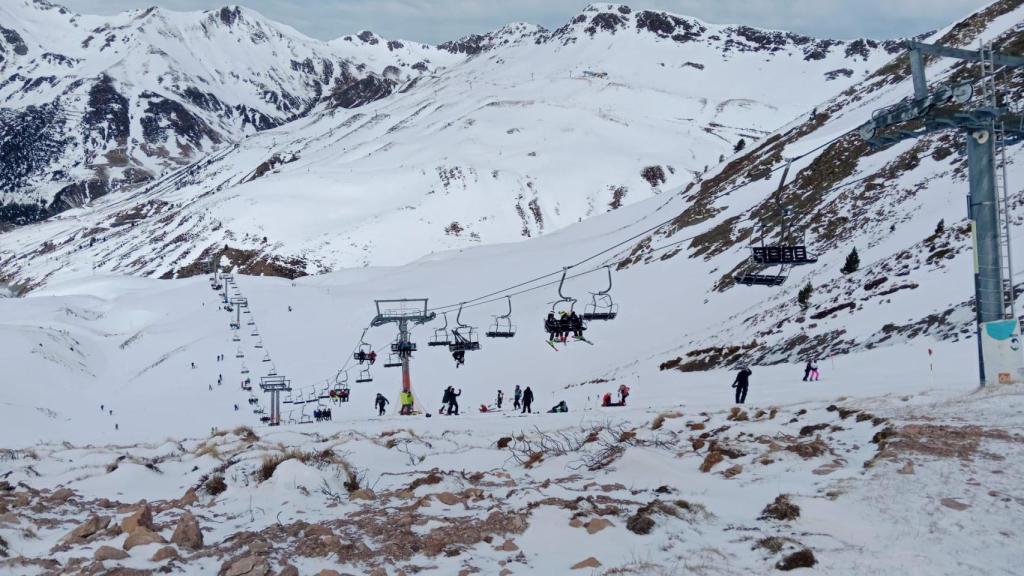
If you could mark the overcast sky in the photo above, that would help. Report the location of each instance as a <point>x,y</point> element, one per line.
<point>435,21</point>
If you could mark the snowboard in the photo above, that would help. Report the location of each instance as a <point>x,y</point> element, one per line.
<point>552,344</point>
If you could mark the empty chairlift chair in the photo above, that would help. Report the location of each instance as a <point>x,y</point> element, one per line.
<point>601,306</point>
<point>364,376</point>
<point>789,250</point>
<point>441,335</point>
<point>502,327</point>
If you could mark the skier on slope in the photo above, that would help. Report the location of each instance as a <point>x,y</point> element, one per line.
<point>623,394</point>
<point>741,383</point>
<point>501,396</point>
<point>807,370</point>
<point>380,403</point>
<point>517,397</point>
<point>527,400</point>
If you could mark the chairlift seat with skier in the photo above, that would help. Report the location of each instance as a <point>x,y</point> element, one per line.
<point>463,336</point>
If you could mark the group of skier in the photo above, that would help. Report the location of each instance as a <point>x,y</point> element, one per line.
<point>363,356</point>
<point>558,329</point>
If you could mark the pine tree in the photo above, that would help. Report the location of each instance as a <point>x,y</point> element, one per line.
<point>804,296</point>
<point>740,145</point>
<point>852,263</point>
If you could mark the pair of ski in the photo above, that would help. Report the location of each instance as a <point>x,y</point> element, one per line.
<point>555,348</point>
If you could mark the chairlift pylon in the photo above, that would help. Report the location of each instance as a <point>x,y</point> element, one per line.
<point>502,327</point>
<point>601,306</point>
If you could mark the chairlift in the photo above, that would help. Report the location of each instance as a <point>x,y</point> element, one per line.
<point>259,409</point>
<point>556,324</point>
<point>393,361</point>
<point>441,336</point>
<point>502,327</point>
<point>259,343</point>
<point>291,417</point>
<point>288,399</point>
<point>303,417</point>
<point>463,336</point>
<point>239,354</point>
<point>245,369</point>
<point>236,338</point>
<point>251,322</point>
<point>364,376</point>
<point>365,349</point>
<point>272,371</point>
<point>266,357</point>
<point>601,306</point>
<point>789,250</point>
<point>403,348</point>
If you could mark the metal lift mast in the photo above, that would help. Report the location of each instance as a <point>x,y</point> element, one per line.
<point>984,122</point>
<point>402,312</point>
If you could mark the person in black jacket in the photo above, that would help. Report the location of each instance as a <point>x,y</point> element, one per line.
<point>381,402</point>
<point>453,400</point>
<point>741,383</point>
<point>527,400</point>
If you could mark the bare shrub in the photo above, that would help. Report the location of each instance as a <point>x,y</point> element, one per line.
<point>215,485</point>
<point>780,509</point>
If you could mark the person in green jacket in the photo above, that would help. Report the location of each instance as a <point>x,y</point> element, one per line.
<point>405,399</point>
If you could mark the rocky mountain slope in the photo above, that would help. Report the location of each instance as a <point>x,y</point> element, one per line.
<point>902,208</point>
<point>527,132</point>
<point>93,104</point>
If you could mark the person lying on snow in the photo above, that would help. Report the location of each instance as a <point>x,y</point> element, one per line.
<point>560,407</point>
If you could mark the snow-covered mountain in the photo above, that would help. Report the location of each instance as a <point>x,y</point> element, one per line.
<point>522,132</point>
<point>93,104</point>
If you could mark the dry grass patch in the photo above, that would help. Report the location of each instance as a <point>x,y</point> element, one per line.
<point>659,420</point>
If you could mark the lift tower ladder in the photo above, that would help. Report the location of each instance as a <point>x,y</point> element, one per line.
<point>985,123</point>
<point>402,312</point>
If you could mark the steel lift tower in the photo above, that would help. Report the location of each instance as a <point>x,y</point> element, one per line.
<point>985,121</point>
<point>402,312</point>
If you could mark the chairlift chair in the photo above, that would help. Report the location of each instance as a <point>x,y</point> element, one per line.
<point>239,354</point>
<point>236,338</point>
<point>502,327</point>
<point>563,298</point>
<point>364,376</point>
<point>288,399</point>
<point>601,306</point>
<point>245,369</point>
<point>786,252</point>
<point>362,354</point>
<point>251,322</point>
<point>441,336</point>
<point>272,371</point>
<point>266,357</point>
<point>463,336</point>
<point>393,361</point>
<point>259,343</point>
<point>303,417</point>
